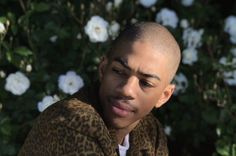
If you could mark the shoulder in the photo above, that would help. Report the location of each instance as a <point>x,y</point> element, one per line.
<point>68,127</point>
<point>151,123</point>
<point>155,128</point>
<point>149,136</point>
<point>74,114</point>
<point>152,127</point>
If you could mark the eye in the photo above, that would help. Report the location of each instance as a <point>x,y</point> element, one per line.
<point>145,83</point>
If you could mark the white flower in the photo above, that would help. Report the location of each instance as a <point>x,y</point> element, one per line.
<point>147,3</point>
<point>114,29</point>
<point>187,2</point>
<point>82,6</point>
<point>28,68</point>
<point>153,9</point>
<point>223,61</point>
<point>70,83</point>
<point>2,28</point>
<point>230,28</point>
<point>167,130</point>
<point>53,38</point>
<point>96,29</point>
<point>2,74</point>
<point>192,38</point>
<point>7,22</point>
<point>79,36</point>
<point>189,56</point>
<point>17,83</point>
<point>230,77</point>
<point>108,6</point>
<point>167,17</point>
<point>117,3</point>
<point>233,51</point>
<point>181,83</point>
<point>228,62</point>
<point>218,131</point>
<point>184,23</point>
<point>233,39</point>
<point>1,106</point>
<point>46,102</point>
<point>97,60</point>
<point>134,20</point>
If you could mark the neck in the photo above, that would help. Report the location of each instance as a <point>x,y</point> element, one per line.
<point>122,132</point>
<point>120,135</point>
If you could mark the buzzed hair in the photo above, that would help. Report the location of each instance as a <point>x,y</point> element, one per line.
<point>154,33</point>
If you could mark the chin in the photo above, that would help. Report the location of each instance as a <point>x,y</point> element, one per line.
<point>117,124</point>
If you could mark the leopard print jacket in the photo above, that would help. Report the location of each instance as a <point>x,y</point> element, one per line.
<point>72,127</point>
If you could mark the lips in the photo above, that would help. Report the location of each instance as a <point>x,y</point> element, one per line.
<point>120,108</point>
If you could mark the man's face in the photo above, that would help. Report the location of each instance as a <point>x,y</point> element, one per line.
<point>133,81</point>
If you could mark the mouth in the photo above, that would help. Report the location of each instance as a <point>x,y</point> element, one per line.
<point>120,107</point>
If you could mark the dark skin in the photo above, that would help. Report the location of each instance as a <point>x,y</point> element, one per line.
<point>133,81</point>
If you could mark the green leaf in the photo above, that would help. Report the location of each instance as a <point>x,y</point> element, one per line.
<point>11,16</point>
<point>223,150</point>
<point>6,130</point>
<point>210,115</point>
<point>234,150</point>
<point>23,51</point>
<point>41,7</point>
<point>9,56</point>
<point>5,127</point>
<point>3,19</point>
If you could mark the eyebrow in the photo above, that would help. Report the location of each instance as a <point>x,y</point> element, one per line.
<point>124,62</point>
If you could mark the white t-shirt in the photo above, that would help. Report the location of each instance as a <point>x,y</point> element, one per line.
<point>123,148</point>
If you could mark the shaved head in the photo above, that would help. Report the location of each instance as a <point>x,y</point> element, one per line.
<point>154,34</point>
<point>137,72</point>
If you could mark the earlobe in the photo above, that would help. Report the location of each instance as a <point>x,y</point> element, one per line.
<point>102,66</point>
<point>165,95</point>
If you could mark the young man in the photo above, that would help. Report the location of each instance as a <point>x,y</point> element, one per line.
<point>114,119</point>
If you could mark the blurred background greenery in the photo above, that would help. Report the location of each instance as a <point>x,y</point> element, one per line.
<point>43,40</point>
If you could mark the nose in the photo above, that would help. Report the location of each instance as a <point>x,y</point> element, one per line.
<point>128,87</point>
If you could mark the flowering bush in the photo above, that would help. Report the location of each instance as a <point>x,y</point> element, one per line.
<point>49,50</point>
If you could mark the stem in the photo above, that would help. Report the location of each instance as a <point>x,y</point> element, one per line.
<point>233,150</point>
<point>22,5</point>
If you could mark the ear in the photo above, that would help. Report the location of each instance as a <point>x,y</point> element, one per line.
<point>102,66</point>
<point>165,96</point>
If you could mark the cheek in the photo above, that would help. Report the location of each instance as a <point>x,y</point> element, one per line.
<point>147,102</point>
<point>109,82</point>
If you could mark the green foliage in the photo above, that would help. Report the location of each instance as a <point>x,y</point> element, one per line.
<point>45,39</point>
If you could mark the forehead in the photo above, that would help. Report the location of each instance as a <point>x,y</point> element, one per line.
<point>140,50</point>
<point>125,47</point>
<point>141,56</point>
